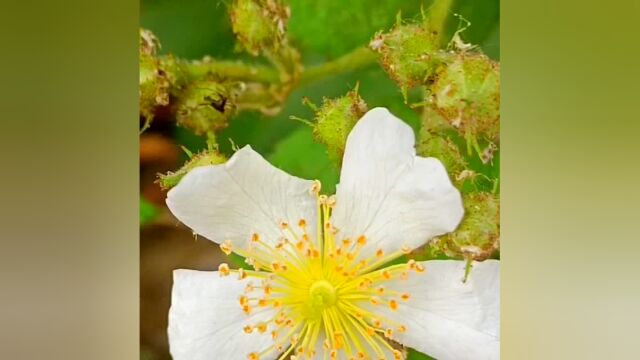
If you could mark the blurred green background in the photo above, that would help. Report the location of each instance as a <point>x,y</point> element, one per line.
<point>322,30</point>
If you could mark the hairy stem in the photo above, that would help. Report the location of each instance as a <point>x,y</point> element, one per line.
<point>234,70</point>
<point>356,59</point>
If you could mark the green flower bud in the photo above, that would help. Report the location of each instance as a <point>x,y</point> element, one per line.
<point>478,236</point>
<point>409,54</point>
<point>467,94</point>
<point>207,157</point>
<point>153,82</point>
<point>259,24</point>
<point>149,44</point>
<point>335,119</point>
<point>206,106</point>
<point>175,72</point>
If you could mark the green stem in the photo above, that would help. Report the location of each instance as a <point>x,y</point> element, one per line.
<point>356,59</point>
<point>234,70</point>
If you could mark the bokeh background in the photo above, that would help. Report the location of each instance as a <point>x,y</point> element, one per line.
<point>322,30</point>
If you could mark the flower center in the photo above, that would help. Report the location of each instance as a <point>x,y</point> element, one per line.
<point>322,295</point>
<point>322,289</point>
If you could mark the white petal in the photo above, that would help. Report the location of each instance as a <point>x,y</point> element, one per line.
<point>206,320</point>
<point>389,194</point>
<point>449,319</point>
<point>245,195</point>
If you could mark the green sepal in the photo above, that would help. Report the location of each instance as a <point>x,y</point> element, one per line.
<point>204,158</point>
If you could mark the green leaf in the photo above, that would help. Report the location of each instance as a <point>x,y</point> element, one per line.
<point>415,355</point>
<point>333,27</point>
<point>238,261</point>
<point>148,212</point>
<point>299,155</point>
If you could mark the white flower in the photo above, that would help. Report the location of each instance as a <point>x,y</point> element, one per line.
<point>318,290</point>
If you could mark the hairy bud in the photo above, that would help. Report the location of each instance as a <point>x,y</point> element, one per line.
<point>478,235</point>
<point>153,81</point>
<point>335,119</point>
<point>149,43</point>
<point>206,106</point>
<point>443,149</point>
<point>467,95</point>
<point>260,25</point>
<point>409,54</point>
<point>207,157</point>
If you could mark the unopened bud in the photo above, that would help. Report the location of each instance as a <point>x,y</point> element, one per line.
<point>442,148</point>
<point>409,53</point>
<point>335,119</point>
<point>478,235</point>
<point>259,24</point>
<point>153,80</point>
<point>467,95</point>
<point>206,106</point>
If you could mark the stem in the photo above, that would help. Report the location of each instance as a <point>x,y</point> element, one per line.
<point>234,70</point>
<point>358,58</point>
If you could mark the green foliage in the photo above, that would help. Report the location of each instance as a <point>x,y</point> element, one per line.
<point>238,261</point>
<point>484,17</point>
<point>415,355</point>
<point>298,154</point>
<point>148,212</point>
<point>330,28</point>
<point>189,29</point>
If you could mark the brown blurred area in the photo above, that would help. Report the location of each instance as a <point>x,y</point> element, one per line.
<point>165,245</point>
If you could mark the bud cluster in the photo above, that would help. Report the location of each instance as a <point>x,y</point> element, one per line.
<point>462,85</point>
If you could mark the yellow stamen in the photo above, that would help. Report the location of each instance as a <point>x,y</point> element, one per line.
<point>320,286</point>
<point>224,269</point>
